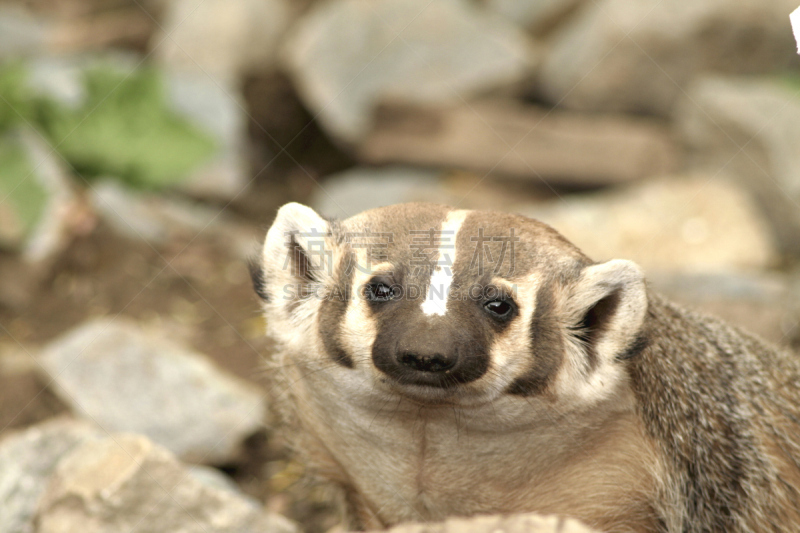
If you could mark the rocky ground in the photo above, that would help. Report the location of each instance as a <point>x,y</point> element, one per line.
<point>131,346</point>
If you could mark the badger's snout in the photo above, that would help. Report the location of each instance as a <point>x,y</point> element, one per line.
<point>433,355</point>
<point>422,362</point>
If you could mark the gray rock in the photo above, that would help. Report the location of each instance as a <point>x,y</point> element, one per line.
<point>21,33</point>
<point>638,55</point>
<point>125,379</point>
<point>750,130</point>
<point>346,56</point>
<point>27,460</point>
<point>695,224</point>
<point>127,483</point>
<point>765,304</point>
<point>158,218</point>
<point>216,108</point>
<point>520,523</point>
<point>353,191</point>
<point>40,208</point>
<point>61,76</point>
<point>151,218</point>
<point>221,38</point>
<point>509,139</point>
<point>538,16</point>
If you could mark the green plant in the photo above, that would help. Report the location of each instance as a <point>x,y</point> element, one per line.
<point>19,188</point>
<point>124,128</point>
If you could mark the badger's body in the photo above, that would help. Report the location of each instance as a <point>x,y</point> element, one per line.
<point>439,362</point>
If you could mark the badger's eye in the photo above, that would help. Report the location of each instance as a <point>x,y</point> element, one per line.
<point>498,308</point>
<point>379,292</point>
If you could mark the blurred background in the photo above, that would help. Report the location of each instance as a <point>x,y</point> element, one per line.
<point>145,146</point>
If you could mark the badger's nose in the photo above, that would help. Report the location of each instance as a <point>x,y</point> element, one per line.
<point>427,362</point>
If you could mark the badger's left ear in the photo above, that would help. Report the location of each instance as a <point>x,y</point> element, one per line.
<point>606,310</point>
<point>300,253</point>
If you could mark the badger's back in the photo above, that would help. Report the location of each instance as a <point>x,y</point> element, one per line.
<point>724,407</point>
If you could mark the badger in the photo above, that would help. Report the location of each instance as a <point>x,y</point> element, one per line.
<point>437,362</point>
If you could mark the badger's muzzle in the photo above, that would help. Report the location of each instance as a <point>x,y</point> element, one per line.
<point>427,363</point>
<point>432,355</point>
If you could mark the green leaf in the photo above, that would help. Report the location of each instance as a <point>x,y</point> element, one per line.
<point>125,129</point>
<point>21,193</point>
<point>17,104</point>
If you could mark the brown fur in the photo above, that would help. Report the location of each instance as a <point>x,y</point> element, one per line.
<point>723,408</point>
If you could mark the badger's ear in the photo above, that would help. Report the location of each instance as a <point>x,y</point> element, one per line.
<point>299,253</point>
<point>606,311</point>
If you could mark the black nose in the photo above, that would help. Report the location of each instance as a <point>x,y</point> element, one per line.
<point>427,363</point>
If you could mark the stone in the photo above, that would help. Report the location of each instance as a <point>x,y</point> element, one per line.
<point>537,16</point>
<point>346,56</point>
<point>681,224</point>
<point>137,215</point>
<point>212,106</point>
<point>639,55</point>
<point>21,34</point>
<point>123,378</point>
<point>561,148</point>
<point>520,523</point>
<point>767,304</point>
<point>27,460</point>
<point>353,191</point>
<point>218,109</point>
<point>127,483</point>
<point>749,130</point>
<point>159,218</point>
<point>40,210</point>
<point>223,39</point>
<point>29,30</point>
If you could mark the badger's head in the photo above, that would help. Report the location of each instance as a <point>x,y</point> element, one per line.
<point>443,305</point>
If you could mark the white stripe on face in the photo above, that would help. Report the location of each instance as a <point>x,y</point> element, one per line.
<point>442,276</point>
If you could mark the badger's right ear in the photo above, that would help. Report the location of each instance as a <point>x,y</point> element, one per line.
<point>299,254</point>
<point>607,309</point>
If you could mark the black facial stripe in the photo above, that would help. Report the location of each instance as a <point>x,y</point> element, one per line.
<point>638,345</point>
<point>594,323</point>
<point>547,347</point>
<point>257,277</point>
<point>305,279</point>
<point>301,265</point>
<point>332,310</point>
